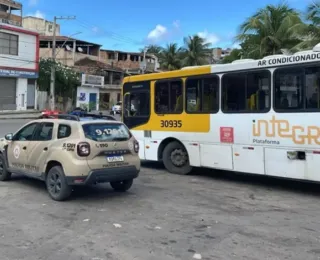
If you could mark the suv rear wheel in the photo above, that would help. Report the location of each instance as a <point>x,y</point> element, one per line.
<point>56,183</point>
<point>121,185</point>
<point>4,174</point>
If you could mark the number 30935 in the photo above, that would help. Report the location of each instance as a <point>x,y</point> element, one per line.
<point>171,123</point>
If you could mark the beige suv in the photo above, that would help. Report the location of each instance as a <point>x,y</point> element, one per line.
<point>66,151</point>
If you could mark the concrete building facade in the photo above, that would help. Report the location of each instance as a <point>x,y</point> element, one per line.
<point>42,26</point>
<point>19,60</point>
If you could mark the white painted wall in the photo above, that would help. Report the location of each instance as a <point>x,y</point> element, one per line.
<point>87,91</point>
<point>27,52</point>
<point>21,100</point>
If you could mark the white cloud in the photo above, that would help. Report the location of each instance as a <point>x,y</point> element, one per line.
<point>157,33</point>
<point>235,46</point>
<point>176,24</point>
<point>37,14</point>
<point>209,37</point>
<point>33,2</point>
<point>95,29</point>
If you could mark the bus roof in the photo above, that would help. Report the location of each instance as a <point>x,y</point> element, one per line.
<point>272,61</point>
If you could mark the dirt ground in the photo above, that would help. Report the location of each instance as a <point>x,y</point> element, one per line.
<point>208,215</point>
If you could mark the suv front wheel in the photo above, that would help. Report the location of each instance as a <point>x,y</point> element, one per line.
<point>121,185</point>
<point>4,174</point>
<point>56,183</point>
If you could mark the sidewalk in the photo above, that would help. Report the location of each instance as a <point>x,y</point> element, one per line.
<point>29,114</point>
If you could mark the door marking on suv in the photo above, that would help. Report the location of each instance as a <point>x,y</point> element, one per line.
<point>16,152</point>
<point>70,147</point>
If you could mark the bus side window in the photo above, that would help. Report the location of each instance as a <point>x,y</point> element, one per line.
<point>312,86</point>
<point>137,104</point>
<point>246,92</point>
<point>168,97</point>
<point>202,94</point>
<point>193,95</point>
<point>288,89</point>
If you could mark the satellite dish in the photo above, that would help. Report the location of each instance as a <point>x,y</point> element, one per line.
<point>68,48</point>
<point>80,49</point>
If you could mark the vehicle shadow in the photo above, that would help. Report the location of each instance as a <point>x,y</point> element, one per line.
<point>80,193</point>
<point>270,182</point>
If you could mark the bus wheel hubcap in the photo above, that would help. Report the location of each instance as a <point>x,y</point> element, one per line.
<point>178,157</point>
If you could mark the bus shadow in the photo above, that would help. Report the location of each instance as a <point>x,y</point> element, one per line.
<point>270,182</point>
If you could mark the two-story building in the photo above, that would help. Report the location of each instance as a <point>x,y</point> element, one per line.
<point>88,58</point>
<point>19,61</point>
<point>84,57</point>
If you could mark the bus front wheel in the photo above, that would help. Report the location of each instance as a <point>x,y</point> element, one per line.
<point>176,159</point>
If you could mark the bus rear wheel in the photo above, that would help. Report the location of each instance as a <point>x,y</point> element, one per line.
<point>176,159</point>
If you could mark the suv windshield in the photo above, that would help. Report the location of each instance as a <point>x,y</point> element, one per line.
<point>102,132</point>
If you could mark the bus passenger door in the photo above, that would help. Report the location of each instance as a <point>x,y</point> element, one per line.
<point>136,111</point>
<point>130,119</point>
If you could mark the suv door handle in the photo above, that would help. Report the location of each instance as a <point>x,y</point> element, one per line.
<point>24,148</point>
<point>45,149</point>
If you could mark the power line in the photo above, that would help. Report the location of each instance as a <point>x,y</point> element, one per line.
<point>111,34</point>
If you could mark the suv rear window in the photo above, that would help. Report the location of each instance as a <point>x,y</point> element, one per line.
<point>104,132</point>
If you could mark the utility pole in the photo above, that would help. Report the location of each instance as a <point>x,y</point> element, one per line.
<point>144,60</point>
<point>53,68</point>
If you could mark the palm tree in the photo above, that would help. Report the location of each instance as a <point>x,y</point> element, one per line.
<point>311,35</point>
<point>313,13</point>
<point>170,57</point>
<point>271,29</point>
<point>154,49</point>
<point>196,51</point>
<point>235,54</point>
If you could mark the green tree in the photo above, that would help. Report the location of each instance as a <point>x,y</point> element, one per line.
<point>170,57</point>
<point>311,33</point>
<point>154,49</point>
<point>270,30</point>
<point>235,54</point>
<point>66,79</point>
<point>196,51</point>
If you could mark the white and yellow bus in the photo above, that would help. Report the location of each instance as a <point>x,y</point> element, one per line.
<point>253,116</point>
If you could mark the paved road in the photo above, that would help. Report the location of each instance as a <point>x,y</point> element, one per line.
<point>218,215</point>
<point>9,126</point>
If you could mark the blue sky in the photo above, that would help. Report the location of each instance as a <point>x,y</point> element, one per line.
<point>130,24</point>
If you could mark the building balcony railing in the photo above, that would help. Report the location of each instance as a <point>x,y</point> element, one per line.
<point>10,19</point>
<point>13,4</point>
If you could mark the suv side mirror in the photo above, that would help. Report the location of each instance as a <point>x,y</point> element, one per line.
<point>9,137</point>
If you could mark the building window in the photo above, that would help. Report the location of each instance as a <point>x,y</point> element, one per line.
<point>247,92</point>
<point>168,97</point>
<point>9,44</point>
<point>202,95</point>
<point>297,89</point>
<point>118,97</point>
<point>137,104</point>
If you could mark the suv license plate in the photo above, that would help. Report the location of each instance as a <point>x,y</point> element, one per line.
<point>115,159</point>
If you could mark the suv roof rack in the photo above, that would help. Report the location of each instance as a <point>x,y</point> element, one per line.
<point>61,116</point>
<point>77,117</point>
<point>99,116</point>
